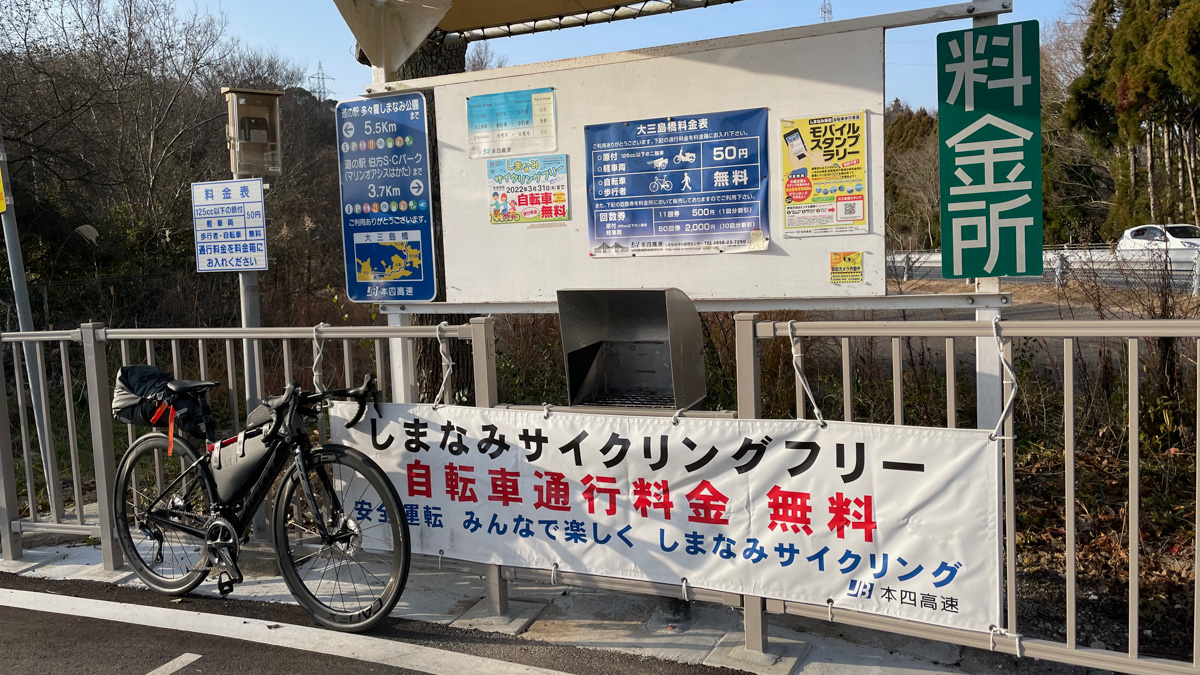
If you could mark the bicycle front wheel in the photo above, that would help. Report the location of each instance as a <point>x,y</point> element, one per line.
<point>351,577</point>
<point>154,495</point>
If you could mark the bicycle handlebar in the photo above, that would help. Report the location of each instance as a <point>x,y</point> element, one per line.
<point>361,394</point>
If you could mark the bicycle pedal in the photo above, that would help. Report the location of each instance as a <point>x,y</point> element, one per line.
<point>224,584</point>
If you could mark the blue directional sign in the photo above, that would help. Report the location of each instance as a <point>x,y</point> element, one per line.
<point>679,185</point>
<point>387,214</point>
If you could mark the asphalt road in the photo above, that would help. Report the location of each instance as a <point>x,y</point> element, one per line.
<point>40,642</point>
<point>35,642</point>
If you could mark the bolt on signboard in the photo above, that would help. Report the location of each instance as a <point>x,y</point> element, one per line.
<point>990,151</point>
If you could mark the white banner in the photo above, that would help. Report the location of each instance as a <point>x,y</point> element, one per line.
<point>893,520</point>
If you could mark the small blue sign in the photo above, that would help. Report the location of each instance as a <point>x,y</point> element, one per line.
<point>689,184</point>
<point>387,220</point>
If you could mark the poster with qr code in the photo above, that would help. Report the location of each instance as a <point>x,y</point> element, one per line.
<point>825,178</point>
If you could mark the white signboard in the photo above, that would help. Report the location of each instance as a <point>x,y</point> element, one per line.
<point>891,520</point>
<point>686,82</point>
<point>230,225</point>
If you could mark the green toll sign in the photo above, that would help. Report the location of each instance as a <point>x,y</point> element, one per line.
<point>990,151</point>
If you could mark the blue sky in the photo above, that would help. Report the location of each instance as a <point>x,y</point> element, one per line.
<point>312,32</point>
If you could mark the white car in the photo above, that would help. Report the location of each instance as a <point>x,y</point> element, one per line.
<point>1159,237</point>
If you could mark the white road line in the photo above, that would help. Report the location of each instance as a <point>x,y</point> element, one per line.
<point>175,664</point>
<point>360,647</point>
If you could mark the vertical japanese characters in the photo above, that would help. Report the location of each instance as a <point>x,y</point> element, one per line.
<point>989,125</point>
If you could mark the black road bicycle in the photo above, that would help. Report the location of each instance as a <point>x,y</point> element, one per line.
<point>338,527</point>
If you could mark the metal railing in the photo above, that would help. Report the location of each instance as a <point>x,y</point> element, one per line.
<point>1177,269</point>
<point>90,355</point>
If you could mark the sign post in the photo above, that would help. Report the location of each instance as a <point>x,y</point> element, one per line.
<point>990,133</point>
<point>387,212</point>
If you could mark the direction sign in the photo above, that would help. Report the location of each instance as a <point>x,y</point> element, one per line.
<point>387,213</point>
<point>230,225</point>
<point>990,133</point>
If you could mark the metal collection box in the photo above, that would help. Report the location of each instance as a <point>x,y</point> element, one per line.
<point>253,132</point>
<point>632,348</point>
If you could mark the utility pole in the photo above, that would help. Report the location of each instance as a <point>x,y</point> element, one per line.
<point>16,268</point>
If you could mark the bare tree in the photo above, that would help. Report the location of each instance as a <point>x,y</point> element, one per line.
<point>480,56</point>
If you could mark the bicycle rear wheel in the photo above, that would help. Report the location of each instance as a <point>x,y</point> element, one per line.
<point>352,579</point>
<point>167,559</point>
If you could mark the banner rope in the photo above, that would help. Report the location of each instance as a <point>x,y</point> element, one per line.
<point>318,353</point>
<point>800,374</point>
<point>675,417</point>
<point>447,364</point>
<point>996,630</point>
<point>546,408</point>
<point>1012,380</point>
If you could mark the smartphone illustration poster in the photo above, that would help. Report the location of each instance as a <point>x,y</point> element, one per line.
<point>825,175</point>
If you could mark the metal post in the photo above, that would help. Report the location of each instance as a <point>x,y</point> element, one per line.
<point>1196,274</point>
<point>10,539</point>
<point>16,267</point>
<point>749,383</point>
<point>100,416</point>
<point>989,398</point>
<point>497,591</point>
<point>483,356</point>
<point>749,366</point>
<point>402,357</point>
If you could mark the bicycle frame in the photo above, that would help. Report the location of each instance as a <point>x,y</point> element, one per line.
<point>294,439</point>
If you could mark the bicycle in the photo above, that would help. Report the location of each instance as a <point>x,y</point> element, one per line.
<point>178,521</point>
<point>661,183</point>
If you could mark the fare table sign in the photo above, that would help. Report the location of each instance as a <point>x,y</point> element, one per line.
<point>682,185</point>
<point>230,226</point>
<point>990,151</point>
<point>387,221</point>
<point>891,520</point>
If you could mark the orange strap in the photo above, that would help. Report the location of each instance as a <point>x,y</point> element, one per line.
<point>162,408</point>
<point>171,432</point>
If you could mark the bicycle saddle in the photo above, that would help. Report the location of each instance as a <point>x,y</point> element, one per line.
<point>190,386</point>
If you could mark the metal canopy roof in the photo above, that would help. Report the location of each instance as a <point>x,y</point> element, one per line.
<point>389,31</point>
<point>478,19</point>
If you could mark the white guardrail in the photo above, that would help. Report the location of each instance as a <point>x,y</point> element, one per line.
<point>1140,269</point>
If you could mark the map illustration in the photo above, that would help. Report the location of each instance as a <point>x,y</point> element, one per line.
<point>385,259</point>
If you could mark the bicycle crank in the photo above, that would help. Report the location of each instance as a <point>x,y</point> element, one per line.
<point>222,542</point>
